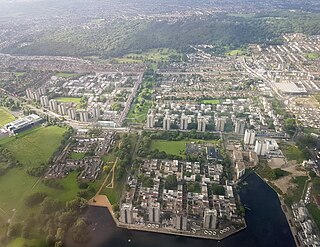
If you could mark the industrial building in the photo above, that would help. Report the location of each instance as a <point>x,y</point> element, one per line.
<point>22,124</point>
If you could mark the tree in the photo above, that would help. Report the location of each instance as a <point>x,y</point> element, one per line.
<point>312,174</point>
<point>77,205</point>
<point>171,182</point>
<point>49,206</point>
<point>34,199</point>
<point>50,241</point>
<point>80,231</point>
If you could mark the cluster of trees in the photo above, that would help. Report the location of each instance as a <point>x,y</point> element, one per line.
<point>53,219</point>
<point>216,189</point>
<point>145,180</point>
<point>290,126</point>
<point>53,183</point>
<point>138,36</point>
<point>178,135</point>
<point>6,161</point>
<point>10,103</point>
<point>124,154</point>
<point>171,182</point>
<point>306,142</point>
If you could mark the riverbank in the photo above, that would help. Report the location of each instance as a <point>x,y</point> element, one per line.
<point>287,212</point>
<point>216,234</point>
<point>266,226</point>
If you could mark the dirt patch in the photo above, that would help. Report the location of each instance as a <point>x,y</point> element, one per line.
<point>309,102</point>
<point>284,183</point>
<point>277,163</point>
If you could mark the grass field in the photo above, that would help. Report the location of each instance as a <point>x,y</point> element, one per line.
<point>313,55</point>
<point>5,116</point>
<point>139,109</point>
<point>77,156</point>
<point>210,101</point>
<point>292,152</point>
<point>37,147</point>
<point>154,55</point>
<point>68,100</point>
<point>19,74</point>
<point>315,213</point>
<point>238,52</point>
<point>176,147</point>
<point>32,148</point>
<point>66,75</point>
<point>27,242</point>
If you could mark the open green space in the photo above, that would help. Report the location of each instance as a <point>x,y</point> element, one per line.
<point>153,55</point>
<point>68,100</point>
<point>36,147</point>
<point>236,52</point>
<point>139,109</point>
<point>176,147</point>
<point>5,116</point>
<point>292,152</point>
<point>294,195</point>
<point>313,55</point>
<point>31,148</point>
<point>311,130</point>
<point>66,75</point>
<point>20,242</point>
<point>19,74</point>
<point>210,101</point>
<point>315,213</point>
<point>77,156</point>
<point>266,172</point>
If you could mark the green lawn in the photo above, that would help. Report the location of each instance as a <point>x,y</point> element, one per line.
<point>313,55</point>
<point>68,100</point>
<point>292,152</point>
<point>237,52</point>
<point>315,213</point>
<point>5,116</point>
<point>139,109</point>
<point>176,147</point>
<point>77,156</point>
<point>153,55</point>
<point>19,242</point>
<point>210,101</point>
<point>37,147</point>
<point>66,75</point>
<point>32,148</point>
<point>19,74</point>
<point>69,191</point>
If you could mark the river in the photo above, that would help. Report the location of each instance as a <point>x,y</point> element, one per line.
<point>266,226</point>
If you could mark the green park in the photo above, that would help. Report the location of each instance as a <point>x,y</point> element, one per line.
<point>5,116</point>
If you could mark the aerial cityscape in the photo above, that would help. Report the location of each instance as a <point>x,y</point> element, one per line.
<point>153,123</point>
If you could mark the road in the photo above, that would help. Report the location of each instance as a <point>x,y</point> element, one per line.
<point>255,74</point>
<point>129,101</point>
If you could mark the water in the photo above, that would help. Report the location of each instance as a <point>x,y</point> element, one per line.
<point>267,226</point>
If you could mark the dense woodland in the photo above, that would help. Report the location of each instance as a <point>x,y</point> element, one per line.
<point>119,37</point>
